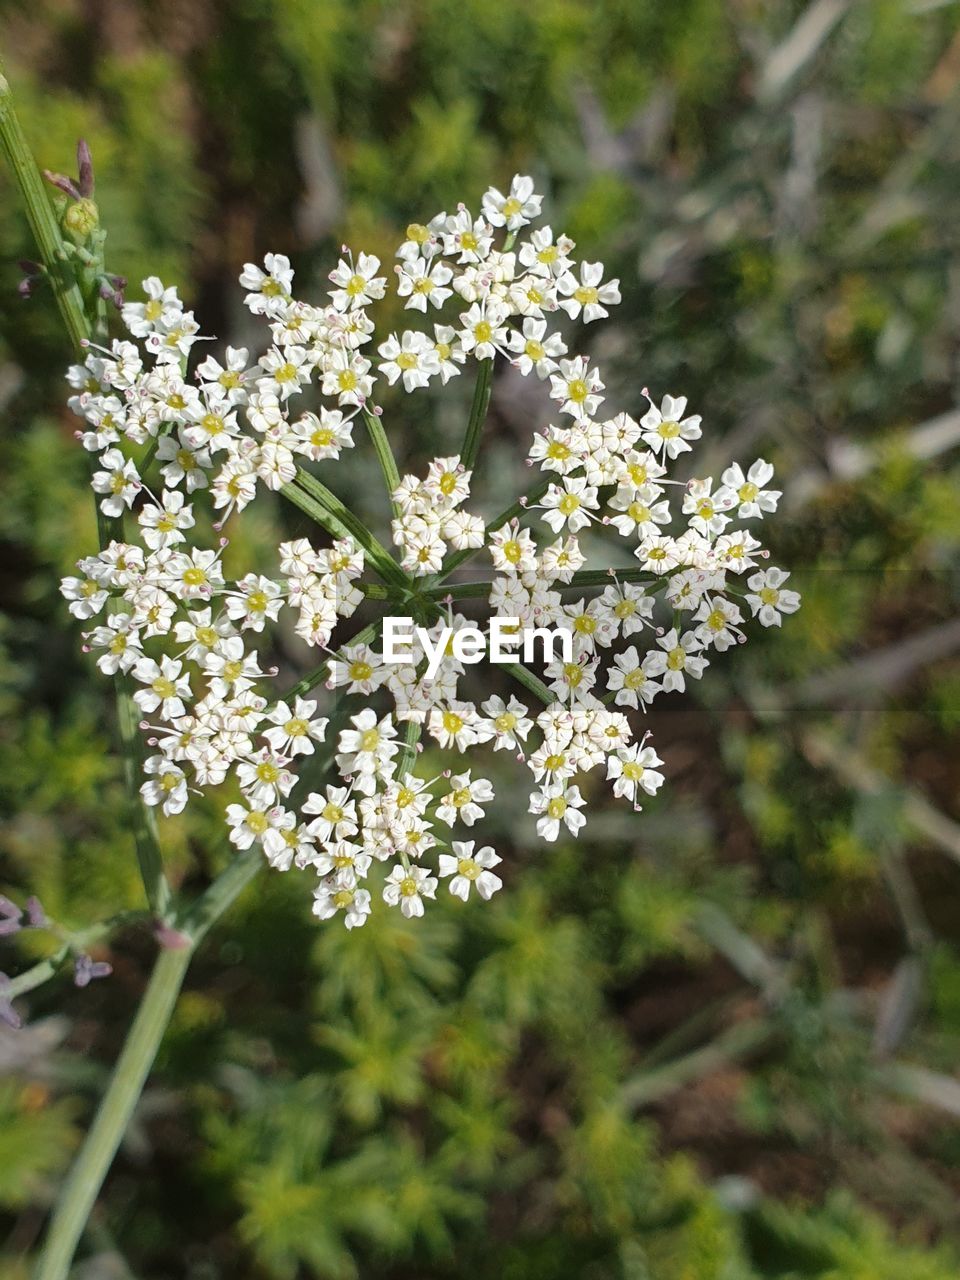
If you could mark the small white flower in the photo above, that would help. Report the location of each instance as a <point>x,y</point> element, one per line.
<point>558,805</point>
<point>468,869</point>
<point>588,294</point>
<point>667,430</point>
<point>119,480</point>
<point>407,888</point>
<point>754,500</point>
<point>465,799</point>
<point>514,210</point>
<point>357,283</point>
<point>634,768</point>
<point>768,599</point>
<point>166,686</point>
<point>331,897</point>
<point>294,729</point>
<point>166,785</point>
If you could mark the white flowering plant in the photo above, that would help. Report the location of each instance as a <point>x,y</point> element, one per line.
<point>184,445</point>
<point>329,775</point>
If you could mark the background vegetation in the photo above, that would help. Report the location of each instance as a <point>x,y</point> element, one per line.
<point>717,1042</point>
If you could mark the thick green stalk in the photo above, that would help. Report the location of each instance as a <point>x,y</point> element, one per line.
<point>43,222</point>
<point>86,1176</point>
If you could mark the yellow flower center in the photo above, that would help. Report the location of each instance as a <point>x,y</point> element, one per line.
<point>676,659</point>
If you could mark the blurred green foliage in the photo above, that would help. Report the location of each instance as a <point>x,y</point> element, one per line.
<point>688,1047</point>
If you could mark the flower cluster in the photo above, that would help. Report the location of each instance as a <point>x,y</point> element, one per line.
<point>181,452</point>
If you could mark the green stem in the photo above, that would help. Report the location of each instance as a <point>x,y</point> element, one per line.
<point>73,944</point>
<point>408,752</point>
<point>388,463</point>
<point>86,1177</point>
<point>530,681</point>
<point>197,920</point>
<point>323,506</point>
<point>478,414</point>
<point>43,222</point>
<point>145,835</point>
<point>583,578</point>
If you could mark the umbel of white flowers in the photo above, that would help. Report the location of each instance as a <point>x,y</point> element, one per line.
<point>191,640</point>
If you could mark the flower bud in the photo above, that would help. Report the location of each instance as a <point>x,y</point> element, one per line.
<point>81,219</point>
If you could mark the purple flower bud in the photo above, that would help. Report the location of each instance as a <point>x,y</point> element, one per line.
<point>86,970</point>
<point>10,915</point>
<point>84,169</point>
<point>63,183</point>
<point>36,916</point>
